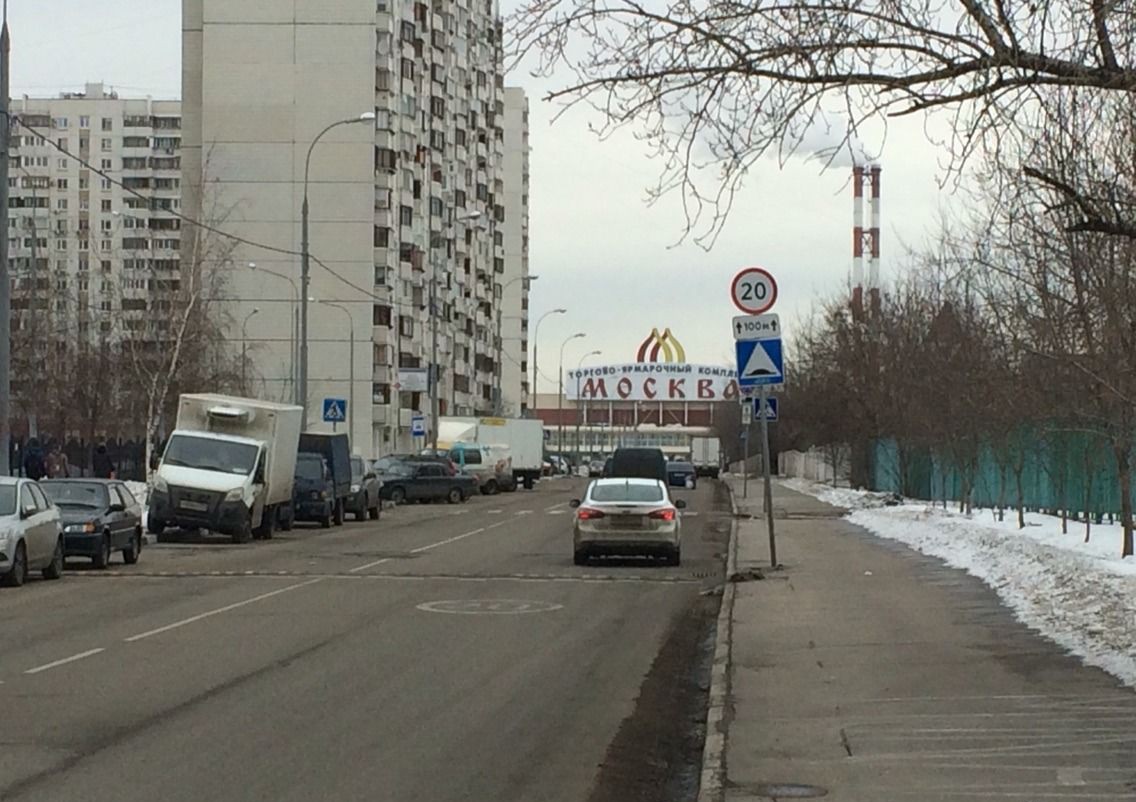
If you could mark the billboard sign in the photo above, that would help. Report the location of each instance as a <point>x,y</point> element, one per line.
<point>652,381</point>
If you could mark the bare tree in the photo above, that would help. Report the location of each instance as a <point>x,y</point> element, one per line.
<point>713,86</point>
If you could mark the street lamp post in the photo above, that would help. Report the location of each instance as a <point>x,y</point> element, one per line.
<point>579,367</point>
<point>367,116</point>
<point>244,346</point>
<point>435,412</point>
<point>499,399</point>
<point>536,343</point>
<point>295,327</point>
<point>560,393</point>
<point>351,368</point>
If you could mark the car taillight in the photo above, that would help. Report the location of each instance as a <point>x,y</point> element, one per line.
<point>663,515</point>
<point>588,514</point>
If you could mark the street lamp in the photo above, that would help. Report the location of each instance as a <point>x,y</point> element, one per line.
<point>244,344</point>
<point>367,116</point>
<point>499,405</point>
<point>536,343</point>
<point>292,357</point>
<point>434,405</point>
<point>351,369</point>
<point>560,393</point>
<point>579,367</point>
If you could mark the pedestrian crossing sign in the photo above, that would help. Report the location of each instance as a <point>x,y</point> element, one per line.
<point>759,362</point>
<point>334,410</point>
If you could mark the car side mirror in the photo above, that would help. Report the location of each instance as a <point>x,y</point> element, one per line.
<point>26,512</point>
<point>680,504</point>
<point>369,476</point>
<point>574,503</point>
<point>116,508</point>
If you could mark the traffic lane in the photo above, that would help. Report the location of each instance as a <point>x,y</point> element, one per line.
<point>45,621</point>
<point>346,689</point>
<point>538,544</point>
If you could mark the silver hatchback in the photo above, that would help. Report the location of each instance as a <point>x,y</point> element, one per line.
<point>631,517</point>
<point>31,535</point>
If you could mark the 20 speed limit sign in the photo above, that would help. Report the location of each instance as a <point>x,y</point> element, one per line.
<point>754,291</point>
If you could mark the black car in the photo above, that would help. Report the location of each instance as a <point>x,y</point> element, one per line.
<point>639,463</point>
<point>313,495</point>
<point>365,488</point>
<point>99,517</point>
<point>682,474</point>
<point>426,481</point>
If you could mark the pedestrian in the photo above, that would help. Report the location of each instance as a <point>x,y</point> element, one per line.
<point>101,464</point>
<point>57,463</point>
<point>34,467</point>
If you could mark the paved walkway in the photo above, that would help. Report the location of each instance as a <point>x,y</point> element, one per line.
<point>876,673</point>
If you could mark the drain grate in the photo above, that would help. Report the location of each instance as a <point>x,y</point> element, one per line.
<point>789,791</point>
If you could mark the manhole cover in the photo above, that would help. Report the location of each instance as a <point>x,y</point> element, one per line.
<point>488,607</point>
<point>789,791</point>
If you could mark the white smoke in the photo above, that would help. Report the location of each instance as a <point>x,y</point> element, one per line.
<point>827,138</point>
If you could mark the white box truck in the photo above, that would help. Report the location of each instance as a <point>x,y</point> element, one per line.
<point>706,456</point>
<point>517,441</point>
<point>228,467</point>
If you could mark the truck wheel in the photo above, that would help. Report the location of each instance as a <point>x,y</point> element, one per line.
<point>287,518</point>
<point>155,528</point>
<point>243,532</point>
<point>267,520</point>
<point>339,512</point>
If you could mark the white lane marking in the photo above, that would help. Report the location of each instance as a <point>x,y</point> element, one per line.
<point>447,541</point>
<point>494,512</point>
<point>65,661</point>
<point>556,506</point>
<point>557,512</point>
<point>220,610</point>
<point>369,565</point>
<point>1069,775</point>
<point>524,512</point>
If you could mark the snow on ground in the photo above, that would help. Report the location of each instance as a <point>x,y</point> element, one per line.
<point>838,496</point>
<point>141,492</point>
<point>1080,595</point>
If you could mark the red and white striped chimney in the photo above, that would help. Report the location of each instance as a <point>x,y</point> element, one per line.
<point>874,234</point>
<point>857,240</point>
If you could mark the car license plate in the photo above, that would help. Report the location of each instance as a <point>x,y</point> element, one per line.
<point>628,521</point>
<point>196,506</point>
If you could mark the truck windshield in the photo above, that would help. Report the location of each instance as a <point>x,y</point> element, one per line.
<point>208,454</point>
<point>308,467</point>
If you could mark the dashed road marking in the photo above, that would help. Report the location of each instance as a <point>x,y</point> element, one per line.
<point>73,658</point>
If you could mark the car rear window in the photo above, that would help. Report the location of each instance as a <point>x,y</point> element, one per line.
<point>679,466</point>
<point>626,491</point>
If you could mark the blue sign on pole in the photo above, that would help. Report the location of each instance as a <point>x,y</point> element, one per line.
<point>418,426</point>
<point>334,410</point>
<point>770,411</point>
<point>759,362</point>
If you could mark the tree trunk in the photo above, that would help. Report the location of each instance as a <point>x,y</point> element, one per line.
<point>1021,496</point>
<point>1124,473</point>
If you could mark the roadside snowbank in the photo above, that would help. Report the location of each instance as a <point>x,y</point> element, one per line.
<point>1080,595</point>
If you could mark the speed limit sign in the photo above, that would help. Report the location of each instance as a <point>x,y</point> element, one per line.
<point>754,291</point>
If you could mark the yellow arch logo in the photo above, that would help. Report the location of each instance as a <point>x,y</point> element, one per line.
<point>665,345</point>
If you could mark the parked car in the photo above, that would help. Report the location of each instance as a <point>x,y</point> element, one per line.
<point>365,488</point>
<point>639,463</point>
<point>314,494</point>
<point>31,533</point>
<point>627,516</point>
<point>596,468</point>
<point>426,481</point>
<point>99,517</point>
<point>682,474</point>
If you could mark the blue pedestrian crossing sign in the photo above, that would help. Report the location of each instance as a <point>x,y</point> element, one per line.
<point>334,410</point>
<point>418,426</point>
<point>759,362</point>
<point>768,410</point>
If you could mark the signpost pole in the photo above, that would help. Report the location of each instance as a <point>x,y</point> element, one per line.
<point>745,463</point>
<point>768,500</point>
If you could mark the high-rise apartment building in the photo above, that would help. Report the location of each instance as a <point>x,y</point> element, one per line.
<point>407,213</point>
<point>515,296</point>
<point>93,236</point>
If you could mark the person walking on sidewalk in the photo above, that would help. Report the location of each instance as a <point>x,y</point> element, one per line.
<point>56,463</point>
<point>101,463</point>
<point>34,467</point>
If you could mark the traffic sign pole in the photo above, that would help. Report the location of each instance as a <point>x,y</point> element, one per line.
<point>768,500</point>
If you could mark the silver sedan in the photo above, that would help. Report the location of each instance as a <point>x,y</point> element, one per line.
<point>627,517</point>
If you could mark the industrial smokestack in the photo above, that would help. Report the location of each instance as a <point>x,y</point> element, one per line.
<point>874,234</point>
<point>857,240</point>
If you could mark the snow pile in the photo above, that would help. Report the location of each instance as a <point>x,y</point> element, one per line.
<point>1080,595</point>
<point>844,497</point>
<point>141,492</point>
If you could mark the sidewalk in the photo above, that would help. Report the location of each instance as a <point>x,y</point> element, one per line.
<point>875,673</point>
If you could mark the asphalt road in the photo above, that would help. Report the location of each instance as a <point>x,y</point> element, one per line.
<point>442,653</point>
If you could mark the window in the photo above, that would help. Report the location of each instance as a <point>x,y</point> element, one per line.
<point>459,198</point>
<point>106,164</point>
<point>106,206</point>
<point>438,73</point>
<point>405,215</point>
<point>104,265</point>
<point>406,31</point>
<point>106,184</point>
<point>84,122</point>
<point>383,80</point>
<point>382,240</point>
<point>436,207</point>
<point>459,137</point>
<point>105,245</point>
<point>108,124</point>
<point>61,164</point>
<point>106,144</point>
<point>438,140</point>
<point>437,106</point>
<point>407,68</point>
<point>60,122</point>
<point>381,315</point>
<point>405,252</point>
<point>61,203</point>
<point>105,225</point>
<point>385,159</point>
<point>406,326</point>
<point>380,393</point>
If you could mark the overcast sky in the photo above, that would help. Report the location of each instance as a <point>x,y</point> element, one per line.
<point>598,249</point>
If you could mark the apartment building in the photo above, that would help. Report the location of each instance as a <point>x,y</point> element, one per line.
<point>89,258</point>
<point>515,296</point>
<point>407,213</point>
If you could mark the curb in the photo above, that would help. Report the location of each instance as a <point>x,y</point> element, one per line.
<point>712,785</point>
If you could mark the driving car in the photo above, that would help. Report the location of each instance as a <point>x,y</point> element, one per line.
<point>682,474</point>
<point>426,481</point>
<point>365,488</point>
<point>642,463</point>
<point>31,533</point>
<point>99,517</point>
<point>596,468</point>
<point>629,517</point>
